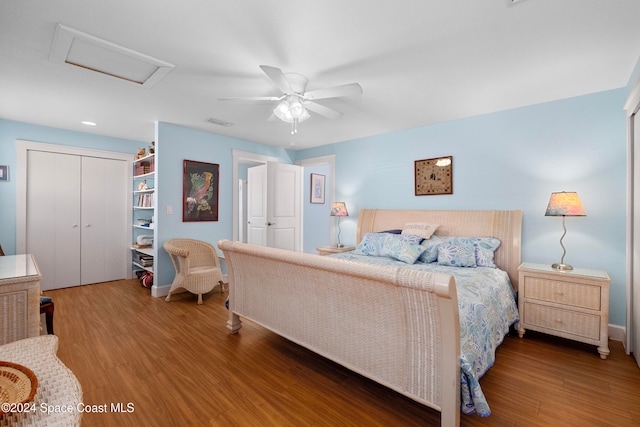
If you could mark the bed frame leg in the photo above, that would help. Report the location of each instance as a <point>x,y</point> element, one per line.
<point>234,323</point>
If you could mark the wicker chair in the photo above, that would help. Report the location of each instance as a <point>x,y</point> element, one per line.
<point>197,266</point>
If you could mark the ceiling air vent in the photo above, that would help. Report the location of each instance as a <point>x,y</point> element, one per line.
<point>219,122</point>
<point>83,50</point>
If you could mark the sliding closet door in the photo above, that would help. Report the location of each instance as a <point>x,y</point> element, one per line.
<point>76,225</point>
<point>53,217</point>
<point>103,223</point>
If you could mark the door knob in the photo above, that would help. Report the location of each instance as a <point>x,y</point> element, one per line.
<point>271,223</point>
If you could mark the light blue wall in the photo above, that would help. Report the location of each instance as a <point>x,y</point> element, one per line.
<point>174,144</point>
<point>316,215</point>
<point>10,131</point>
<point>510,160</point>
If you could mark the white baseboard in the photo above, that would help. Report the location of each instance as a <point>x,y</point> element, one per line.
<point>617,333</point>
<point>160,291</point>
<point>163,291</point>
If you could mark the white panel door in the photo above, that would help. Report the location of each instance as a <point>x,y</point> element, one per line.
<point>283,207</point>
<point>53,217</point>
<point>274,206</point>
<point>257,205</point>
<point>104,221</point>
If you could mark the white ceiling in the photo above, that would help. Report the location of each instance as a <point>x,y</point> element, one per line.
<point>418,61</point>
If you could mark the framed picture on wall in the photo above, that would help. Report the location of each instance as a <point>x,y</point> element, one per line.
<point>317,188</point>
<point>434,176</point>
<point>201,182</point>
<point>4,173</point>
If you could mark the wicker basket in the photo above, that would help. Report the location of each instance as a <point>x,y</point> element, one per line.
<point>18,384</point>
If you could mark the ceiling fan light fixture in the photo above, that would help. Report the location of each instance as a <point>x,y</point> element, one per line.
<point>291,109</point>
<point>282,111</point>
<point>296,109</point>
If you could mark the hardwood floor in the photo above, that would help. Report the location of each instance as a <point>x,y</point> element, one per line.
<point>177,364</point>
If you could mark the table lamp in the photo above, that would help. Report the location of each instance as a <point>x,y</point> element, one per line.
<point>339,209</point>
<point>565,203</point>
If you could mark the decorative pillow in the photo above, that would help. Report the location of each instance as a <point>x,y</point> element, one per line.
<point>456,255</point>
<point>485,248</point>
<point>371,244</point>
<point>403,248</point>
<point>404,251</point>
<point>421,229</point>
<point>431,245</point>
<point>398,231</point>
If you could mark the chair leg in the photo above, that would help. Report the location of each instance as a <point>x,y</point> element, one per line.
<point>47,309</point>
<point>199,298</point>
<point>168,298</point>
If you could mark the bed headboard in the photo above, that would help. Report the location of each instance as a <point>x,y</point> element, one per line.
<point>504,225</point>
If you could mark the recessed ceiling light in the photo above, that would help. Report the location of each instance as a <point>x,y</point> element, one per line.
<point>88,123</point>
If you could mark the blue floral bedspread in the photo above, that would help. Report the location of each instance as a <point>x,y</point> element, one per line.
<point>487,309</point>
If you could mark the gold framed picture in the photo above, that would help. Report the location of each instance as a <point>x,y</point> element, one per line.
<point>433,176</point>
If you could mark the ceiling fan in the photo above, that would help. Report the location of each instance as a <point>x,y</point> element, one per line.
<point>294,101</point>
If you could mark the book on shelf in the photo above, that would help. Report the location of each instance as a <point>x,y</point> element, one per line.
<point>143,260</point>
<point>145,200</point>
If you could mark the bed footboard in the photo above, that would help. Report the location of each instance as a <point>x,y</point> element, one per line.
<point>398,327</point>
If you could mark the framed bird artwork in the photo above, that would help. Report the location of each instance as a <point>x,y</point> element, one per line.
<point>200,191</point>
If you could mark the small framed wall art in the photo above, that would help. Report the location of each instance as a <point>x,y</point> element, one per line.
<point>434,176</point>
<point>200,191</point>
<point>4,173</point>
<point>317,188</point>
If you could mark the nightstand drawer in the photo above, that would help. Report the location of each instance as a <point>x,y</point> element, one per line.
<point>566,293</point>
<point>571,322</point>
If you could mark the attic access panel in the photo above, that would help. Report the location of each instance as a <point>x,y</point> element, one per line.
<point>73,47</point>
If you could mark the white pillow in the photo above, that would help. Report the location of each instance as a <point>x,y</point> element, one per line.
<point>421,229</point>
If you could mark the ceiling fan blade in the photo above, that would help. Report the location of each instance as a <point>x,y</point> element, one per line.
<point>334,92</point>
<point>278,78</point>
<point>327,112</point>
<point>251,98</point>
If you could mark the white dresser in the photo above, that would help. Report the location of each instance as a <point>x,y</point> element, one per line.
<point>19,298</point>
<point>569,304</point>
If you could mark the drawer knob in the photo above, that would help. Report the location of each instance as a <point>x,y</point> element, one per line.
<point>558,320</point>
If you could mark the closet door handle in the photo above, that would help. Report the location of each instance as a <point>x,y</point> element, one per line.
<point>87,225</point>
<point>74,225</point>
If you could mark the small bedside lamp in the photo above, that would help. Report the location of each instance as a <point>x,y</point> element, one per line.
<point>564,204</point>
<point>339,209</point>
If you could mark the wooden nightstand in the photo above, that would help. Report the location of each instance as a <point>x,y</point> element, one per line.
<point>326,250</point>
<point>569,304</point>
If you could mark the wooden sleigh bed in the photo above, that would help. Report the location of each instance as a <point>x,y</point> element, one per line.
<point>397,326</point>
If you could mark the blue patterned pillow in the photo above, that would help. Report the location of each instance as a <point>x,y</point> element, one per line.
<point>403,248</point>
<point>431,245</point>
<point>485,248</point>
<point>456,255</point>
